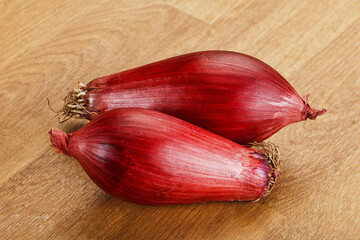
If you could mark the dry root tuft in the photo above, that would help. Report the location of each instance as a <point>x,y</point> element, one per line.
<point>272,153</point>
<point>74,104</point>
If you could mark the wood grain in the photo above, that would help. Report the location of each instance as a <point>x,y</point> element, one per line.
<point>47,46</point>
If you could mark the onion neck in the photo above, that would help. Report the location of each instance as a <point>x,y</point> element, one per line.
<point>308,112</point>
<point>59,141</point>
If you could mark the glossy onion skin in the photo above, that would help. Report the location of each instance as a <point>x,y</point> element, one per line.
<point>147,157</point>
<point>232,94</point>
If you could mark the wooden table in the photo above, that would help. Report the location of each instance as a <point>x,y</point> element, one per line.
<point>47,46</point>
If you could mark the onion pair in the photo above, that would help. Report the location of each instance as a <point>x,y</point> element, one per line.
<point>149,157</point>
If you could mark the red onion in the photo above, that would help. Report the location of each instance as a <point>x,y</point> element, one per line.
<point>147,157</point>
<point>234,95</point>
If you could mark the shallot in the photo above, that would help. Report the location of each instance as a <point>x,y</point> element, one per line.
<point>148,157</point>
<point>232,94</point>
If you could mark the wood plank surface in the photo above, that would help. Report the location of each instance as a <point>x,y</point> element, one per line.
<point>46,47</point>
